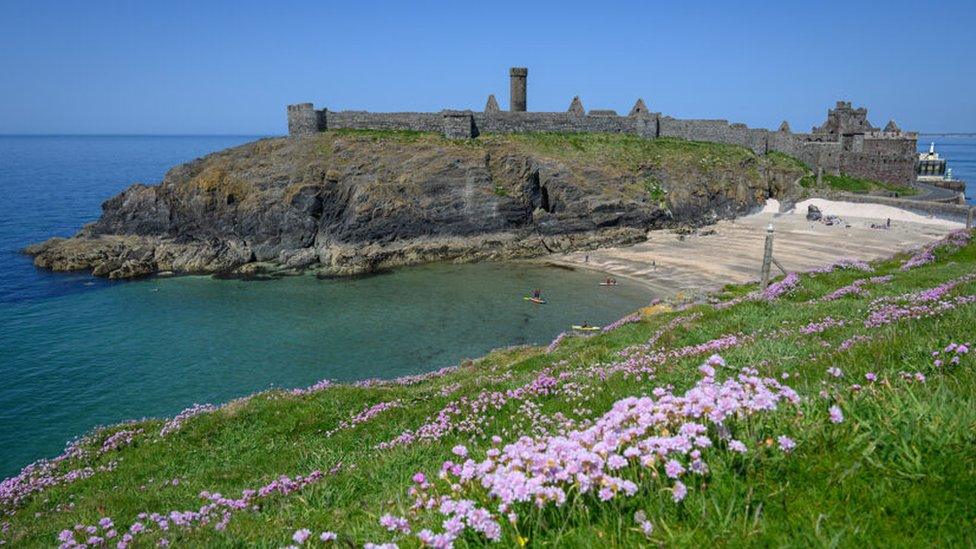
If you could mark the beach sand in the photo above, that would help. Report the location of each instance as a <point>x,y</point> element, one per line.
<point>694,264</point>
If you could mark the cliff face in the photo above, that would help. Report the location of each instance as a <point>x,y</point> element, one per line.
<point>351,202</point>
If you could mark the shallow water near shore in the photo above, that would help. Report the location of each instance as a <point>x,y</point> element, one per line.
<point>151,348</point>
<point>77,352</point>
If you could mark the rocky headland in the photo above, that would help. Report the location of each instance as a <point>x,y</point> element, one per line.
<point>351,202</point>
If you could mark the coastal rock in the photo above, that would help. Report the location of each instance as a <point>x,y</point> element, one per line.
<point>813,213</point>
<point>354,202</point>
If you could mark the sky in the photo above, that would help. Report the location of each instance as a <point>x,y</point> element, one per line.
<point>215,67</point>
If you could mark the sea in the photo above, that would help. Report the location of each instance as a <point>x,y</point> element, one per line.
<point>960,150</point>
<point>77,352</point>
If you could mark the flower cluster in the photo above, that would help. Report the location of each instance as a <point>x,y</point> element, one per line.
<point>772,292</point>
<point>777,289</point>
<point>953,240</point>
<point>629,319</point>
<point>176,422</point>
<point>557,342</point>
<point>667,434</point>
<point>646,527</point>
<point>303,534</point>
<point>362,417</point>
<point>820,326</point>
<point>921,304</point>
<point>313,388</point>
<point>405,381</point>
<point>951,355</point>
<point>893,312</point>
<point>855,288</point>
<point>850,264</point>
<point>467,415</point>
<point>43,474</point>
<point>217,511</point>
<point>119,439</point>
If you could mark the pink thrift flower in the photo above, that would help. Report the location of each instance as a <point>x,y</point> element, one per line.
<point>301,536</point>
<point>836,415</point>
<point>737,446</point>
<point>870,376</point>
<point>786,443</point>
<point>679,491</point>
<point>460,451</point>
<point>673,469</point>
<point>328,536</point>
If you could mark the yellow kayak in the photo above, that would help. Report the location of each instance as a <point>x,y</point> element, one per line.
<point>538,300</point>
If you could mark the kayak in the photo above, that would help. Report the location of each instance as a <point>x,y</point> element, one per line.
<point>538,300</point>
<point>608,284</point>
<point>586,328</point>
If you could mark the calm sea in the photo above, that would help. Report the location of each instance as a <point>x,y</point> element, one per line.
<point>77,352</point>
<point>961,152</point>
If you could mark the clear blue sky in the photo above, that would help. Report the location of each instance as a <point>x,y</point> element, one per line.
<point>231,67</point>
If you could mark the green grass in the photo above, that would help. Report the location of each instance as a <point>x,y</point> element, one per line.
<point>777,158</point>
<point>857,185</point>
<point>628,152</point>
<point>899,471</point>
<point>631,152</point>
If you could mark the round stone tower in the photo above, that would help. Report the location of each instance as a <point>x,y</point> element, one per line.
<point>517,76</point>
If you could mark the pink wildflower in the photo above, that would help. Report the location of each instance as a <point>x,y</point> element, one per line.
<point>679,491</point>
<point>836,415</point>
<point>302,535</point>
<point>786,444</point>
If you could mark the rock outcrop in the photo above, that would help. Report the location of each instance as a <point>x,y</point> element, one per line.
<point>354,202</point>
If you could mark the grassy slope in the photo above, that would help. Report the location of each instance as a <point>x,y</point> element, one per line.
<point>857,185</point>
<point>900,470</point>
<point>622,153</point>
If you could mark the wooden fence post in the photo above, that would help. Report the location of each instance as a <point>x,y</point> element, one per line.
<point>767,258</point>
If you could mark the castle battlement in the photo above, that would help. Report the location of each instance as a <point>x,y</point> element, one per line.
<point>845,143</point>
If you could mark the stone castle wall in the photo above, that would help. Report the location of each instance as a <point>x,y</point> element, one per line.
<point>881,155</point>
<point>717,131</point>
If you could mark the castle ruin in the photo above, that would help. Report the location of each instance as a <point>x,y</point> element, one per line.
<point>846,143</point>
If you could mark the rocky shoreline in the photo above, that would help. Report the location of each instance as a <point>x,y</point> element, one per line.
<point>348,203</point>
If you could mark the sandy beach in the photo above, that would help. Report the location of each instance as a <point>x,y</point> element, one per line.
<point>730,251</point>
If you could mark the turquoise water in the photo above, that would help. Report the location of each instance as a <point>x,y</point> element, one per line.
<point>77,352</point>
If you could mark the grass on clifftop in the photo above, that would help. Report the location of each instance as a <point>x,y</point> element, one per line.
<point>857,185</point>
<point>879,448</point>
<point>629,152</point>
